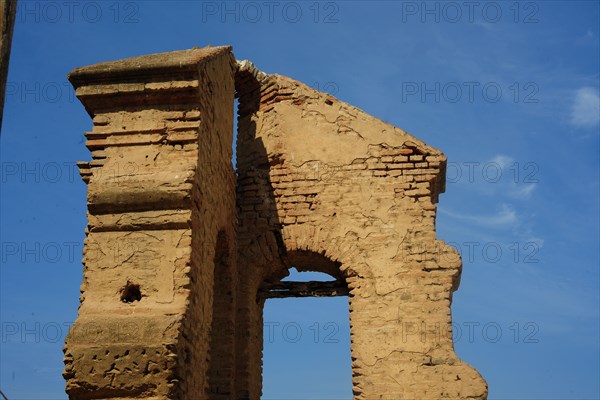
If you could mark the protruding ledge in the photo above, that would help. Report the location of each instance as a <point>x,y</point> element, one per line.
<point>147,81</point>
<point>151,65</point>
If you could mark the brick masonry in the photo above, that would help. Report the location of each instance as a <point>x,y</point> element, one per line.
<point>178,244</point>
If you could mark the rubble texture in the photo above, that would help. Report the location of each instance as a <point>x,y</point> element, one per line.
<point>178,247</point>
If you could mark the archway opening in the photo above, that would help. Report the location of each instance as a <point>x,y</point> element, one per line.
<point>306,336</point>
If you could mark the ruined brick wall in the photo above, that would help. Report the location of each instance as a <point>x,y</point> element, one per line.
<point>178,247</point>
<point>161,200</point>
<point>323,186</point>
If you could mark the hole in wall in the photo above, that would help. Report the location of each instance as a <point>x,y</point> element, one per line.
<point>130,293</point>
<point>306,345</point>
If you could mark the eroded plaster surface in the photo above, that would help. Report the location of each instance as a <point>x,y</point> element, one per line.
<point>180,247</point>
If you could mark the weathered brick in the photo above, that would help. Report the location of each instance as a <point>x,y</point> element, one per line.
<point>309,192</point>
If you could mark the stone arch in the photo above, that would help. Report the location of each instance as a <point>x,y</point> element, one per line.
<point>318,176</point>
<point>318,181</point>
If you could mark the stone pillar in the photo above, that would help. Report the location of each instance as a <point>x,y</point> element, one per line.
<point>161,229</point>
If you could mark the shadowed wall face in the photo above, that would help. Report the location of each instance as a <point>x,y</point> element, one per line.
<point>320,185</point>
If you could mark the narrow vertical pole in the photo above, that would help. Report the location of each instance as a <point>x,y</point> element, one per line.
<point>8,10</point>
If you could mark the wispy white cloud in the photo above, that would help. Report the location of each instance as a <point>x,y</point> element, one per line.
<point>585,111</point>
<point>523,191</point>
<point>486,25</point>
<point>589,38</point>
<point>503,176</point>
<point>508,223</point>
<point>503,161</point>
<point>537,240</point>
<point>505,217</point>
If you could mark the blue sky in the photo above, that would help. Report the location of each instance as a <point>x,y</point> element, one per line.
<point>508,90</point>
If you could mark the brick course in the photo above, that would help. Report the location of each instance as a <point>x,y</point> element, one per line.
<point>179,244</point>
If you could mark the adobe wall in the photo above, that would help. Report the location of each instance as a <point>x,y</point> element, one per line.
<point>178,247</point>
<point>323,186</point>
<point>161,201</point>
